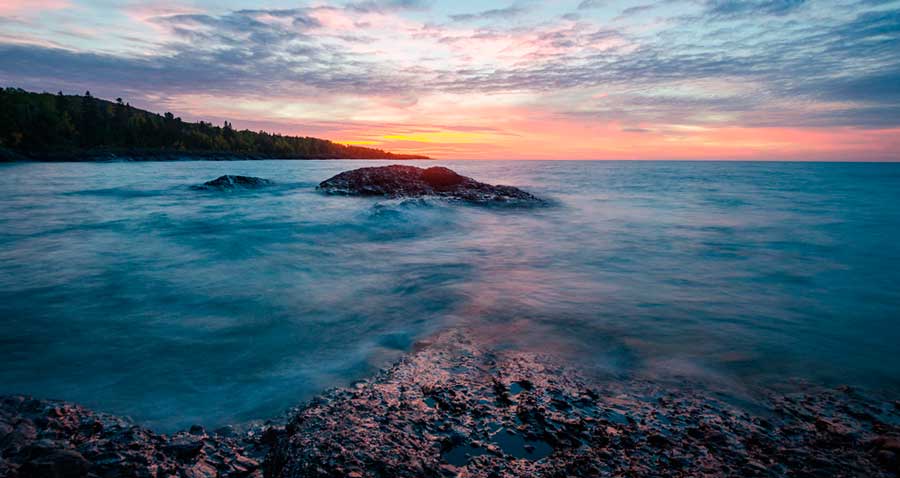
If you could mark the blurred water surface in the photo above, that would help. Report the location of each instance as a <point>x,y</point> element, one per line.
<point>123,289</point>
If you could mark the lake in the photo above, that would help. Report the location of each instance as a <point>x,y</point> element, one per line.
<point>125,290</point>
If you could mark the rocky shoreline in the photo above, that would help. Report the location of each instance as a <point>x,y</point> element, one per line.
<point>454,407</point>
<point>44,438</point>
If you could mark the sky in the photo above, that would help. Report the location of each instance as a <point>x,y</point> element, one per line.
<point>516,79</point>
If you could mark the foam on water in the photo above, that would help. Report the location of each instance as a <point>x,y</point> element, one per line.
<point>125,290</point>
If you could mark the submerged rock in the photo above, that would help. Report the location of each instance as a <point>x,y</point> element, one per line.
<point>409,181</point>
<point>228,182</point>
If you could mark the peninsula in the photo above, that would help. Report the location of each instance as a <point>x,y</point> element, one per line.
<point>48,127</point>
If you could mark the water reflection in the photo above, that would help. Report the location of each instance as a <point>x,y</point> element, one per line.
<point>123,289</point>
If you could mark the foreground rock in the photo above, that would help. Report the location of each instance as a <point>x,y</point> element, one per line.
<point>229,182</point>
<point>40,438</point>
<point>456,409</point>
<point>409,181</point>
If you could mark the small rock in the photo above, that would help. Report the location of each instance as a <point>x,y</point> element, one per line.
<point>270,435</point>
<point>200,470</point>
<point>56,464</point>
<point>658,441</point>
<point>888,459</point>
<point>229,182</point>
<point>889,443</point>
<point>226,431</point>
<point>184,447</point>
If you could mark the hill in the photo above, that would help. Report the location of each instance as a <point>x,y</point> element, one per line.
<point>45,126</point>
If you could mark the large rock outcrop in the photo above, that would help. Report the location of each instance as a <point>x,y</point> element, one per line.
<point>398,181</point>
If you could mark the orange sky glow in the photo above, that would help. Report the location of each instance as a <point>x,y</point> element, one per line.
<point>570,79</point>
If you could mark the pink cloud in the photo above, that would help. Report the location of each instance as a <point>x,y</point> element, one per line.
<point>143,11</point>
<point>452,127</point>
<point>30,7</point>
<point>436,91</point>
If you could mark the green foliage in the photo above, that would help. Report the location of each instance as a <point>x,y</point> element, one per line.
<point>47,125</point>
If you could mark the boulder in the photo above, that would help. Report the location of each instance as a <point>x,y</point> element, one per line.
<point>398,181</point>
<point>229,182</point>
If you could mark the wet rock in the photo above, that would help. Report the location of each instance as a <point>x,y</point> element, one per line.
<point>229,182</point>
<point>409,181</point>
<point>887,451</point>
<point>890,443</point>
<point>459,408</point>
<point>200,470</point>
<point>40,438</point>
<point>888,460</point>
<point>184,448</point>
<point>560,425</point>
<point>271,435</point>
<point>442,178</point>
<point>658,441</point>
<point>58,463</point>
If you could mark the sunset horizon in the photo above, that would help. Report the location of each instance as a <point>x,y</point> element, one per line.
<point>618,80</point>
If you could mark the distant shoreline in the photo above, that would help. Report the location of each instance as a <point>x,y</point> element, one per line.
<point>7,156</point>
<point>67,128</point>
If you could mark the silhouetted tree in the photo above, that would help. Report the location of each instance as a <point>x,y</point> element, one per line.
<point>41,123</point>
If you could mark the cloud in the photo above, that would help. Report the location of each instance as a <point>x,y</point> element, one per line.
<point>841,70</point>
<point>879,87</point>
<point>382,6</point>
<point>30,7</point>
<point>736,8</point>
<point>636,10</point>
<point>589,4</point>
<point>493,14</point>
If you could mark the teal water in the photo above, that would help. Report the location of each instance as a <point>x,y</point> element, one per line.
<point>123,289</point>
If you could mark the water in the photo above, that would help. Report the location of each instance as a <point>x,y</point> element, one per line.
<point>123,289</point>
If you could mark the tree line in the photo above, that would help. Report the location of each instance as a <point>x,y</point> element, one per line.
<point>44,125</point>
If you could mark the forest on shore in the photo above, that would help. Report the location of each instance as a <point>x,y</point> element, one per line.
<point>47,126</point>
